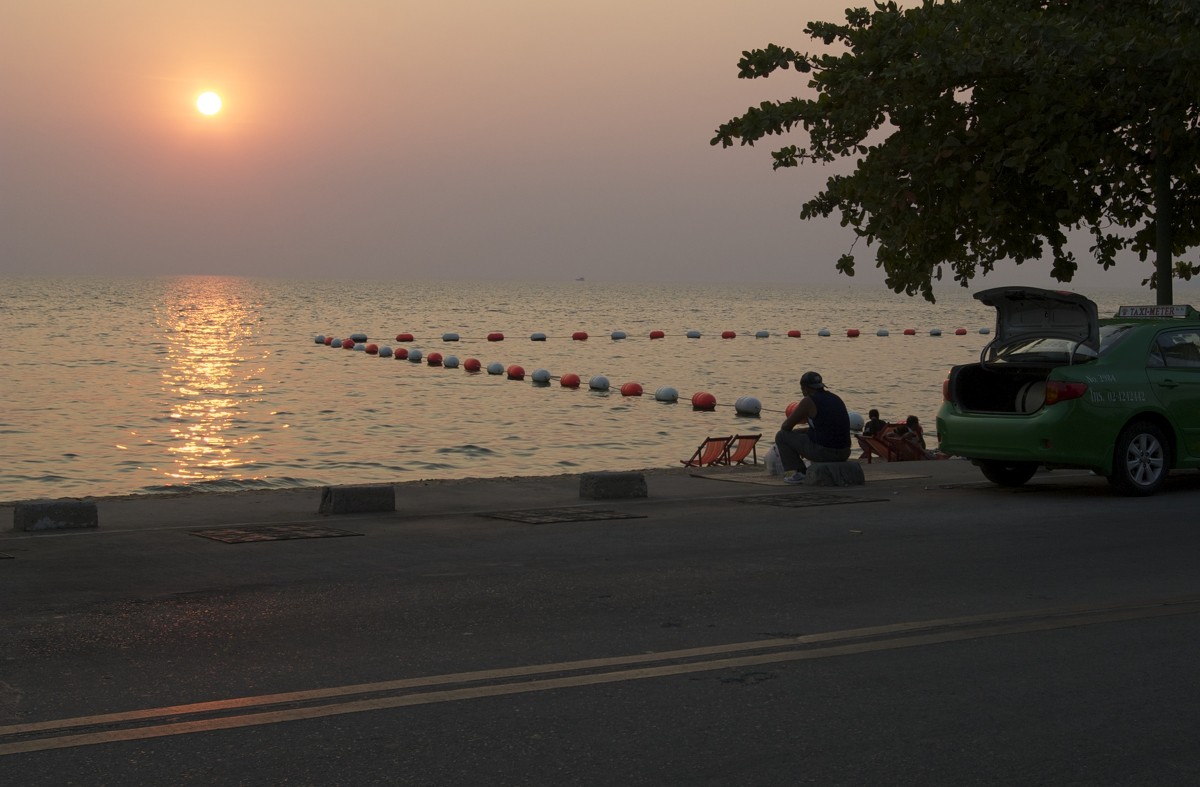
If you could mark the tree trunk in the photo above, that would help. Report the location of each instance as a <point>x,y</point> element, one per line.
<point>1163,230</point>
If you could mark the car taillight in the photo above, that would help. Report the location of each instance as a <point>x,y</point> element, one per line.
<point>1059,391</point>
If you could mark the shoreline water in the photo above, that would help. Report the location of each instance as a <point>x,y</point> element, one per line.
<point>201,385</point>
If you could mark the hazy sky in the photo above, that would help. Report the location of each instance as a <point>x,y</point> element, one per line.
<point>393,140</point>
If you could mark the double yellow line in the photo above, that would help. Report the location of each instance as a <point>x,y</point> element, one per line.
<point>453,687</point>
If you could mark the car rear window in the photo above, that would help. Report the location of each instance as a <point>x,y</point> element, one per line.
<point>1059,351</point>
<point>1051,351</point>
<point>1113,334</point>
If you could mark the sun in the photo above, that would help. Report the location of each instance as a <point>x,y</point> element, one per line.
<point>209,103</point>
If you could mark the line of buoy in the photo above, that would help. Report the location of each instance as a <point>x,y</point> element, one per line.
<point>356,339</point>
<point>748,406</point>
<point>701,400</point>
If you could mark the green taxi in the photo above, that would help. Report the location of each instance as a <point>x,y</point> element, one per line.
<point>1059,387</point>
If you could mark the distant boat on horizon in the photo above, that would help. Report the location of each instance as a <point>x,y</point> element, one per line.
<point>579,279</point>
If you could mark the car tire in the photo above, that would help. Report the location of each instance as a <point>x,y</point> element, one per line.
<point>1140,460</point>
<point>1007,473</point>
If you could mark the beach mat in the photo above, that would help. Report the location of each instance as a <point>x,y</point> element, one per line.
<point>765,479</point>
<point>249,535</point>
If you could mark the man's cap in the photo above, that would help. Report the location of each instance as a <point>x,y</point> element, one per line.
<point>812,380</point>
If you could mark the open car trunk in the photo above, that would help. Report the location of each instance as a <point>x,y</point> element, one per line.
<point>1037,331</point>
<point>998,388</point>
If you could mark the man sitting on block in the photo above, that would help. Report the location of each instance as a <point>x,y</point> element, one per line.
<point>817,430</point>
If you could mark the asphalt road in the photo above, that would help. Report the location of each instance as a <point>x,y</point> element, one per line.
<point>927,628</point>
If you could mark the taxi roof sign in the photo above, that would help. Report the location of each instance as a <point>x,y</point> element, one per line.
<point>1152,312</point>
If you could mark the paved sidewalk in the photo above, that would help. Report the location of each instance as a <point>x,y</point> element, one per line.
<point>471,496</point>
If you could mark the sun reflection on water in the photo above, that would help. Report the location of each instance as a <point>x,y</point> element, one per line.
<point>207,322</point>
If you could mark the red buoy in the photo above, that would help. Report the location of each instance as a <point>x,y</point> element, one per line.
<point>657,334</point>
<point>495,336</point>
<point>793,333</point>
<point>631,389</point>
<point>910,331</point>
<point>728,334</point>
<point>372,349</point>
<point>401,353</point>
<point>347,344</point>
<point>702,400</point>
<point>434,359</point>
<point>328,340</point>
<point>569,381</point>
<point>579,336</point>
<point>404,337</point>
<point>471,365</point>
<point>852,333</point>
<point>515,372</point>
<point>960,331</point>
<point>790,409</point>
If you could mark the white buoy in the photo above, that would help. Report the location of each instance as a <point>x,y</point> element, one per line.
<point>540,376</point>
<point>449,337</point>
<point>823,332</point>
<point>414,356</point>
<point>747,405</point>
<point>385,352</point>
<point>881,332</point>
<point>762,334</point>
<point>693,334</point>
<point>935,332</point>
<point>985,330</point>
<point>450,362</point>
<point>319,339</point>
<point>666,394</point>
<point>361,347</point>
<point>856,421</point>
<point>537,337</point>
<point>598,383</point>
<point>359,337</point>
<point>618,335</point>
<point>495,368</point>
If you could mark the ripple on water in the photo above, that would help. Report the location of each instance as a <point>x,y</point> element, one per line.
<point>225,380</point>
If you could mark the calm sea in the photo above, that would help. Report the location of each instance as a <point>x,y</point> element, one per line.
<point>142,386</point>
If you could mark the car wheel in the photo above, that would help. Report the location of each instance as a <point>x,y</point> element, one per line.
<point>1139,460</point>
<point>1007,473</point>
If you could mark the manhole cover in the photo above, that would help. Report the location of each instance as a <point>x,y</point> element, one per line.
<point>550,516</point>
<point>244,535</point>
<point>808,499</point>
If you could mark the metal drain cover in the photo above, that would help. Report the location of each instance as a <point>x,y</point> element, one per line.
<point>245,535</point>
<point>804,499</point>
<point>550,516</point>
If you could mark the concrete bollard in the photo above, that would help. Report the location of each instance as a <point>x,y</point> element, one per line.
<point>834,474</point>
<point>357,499</point>
<point>608,486</point>
<point>55,515</point>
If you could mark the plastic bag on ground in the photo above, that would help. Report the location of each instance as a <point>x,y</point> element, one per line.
<point>774,463</point>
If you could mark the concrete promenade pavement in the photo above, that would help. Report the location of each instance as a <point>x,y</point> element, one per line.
<point>927,627</point>
<point>471,496</point>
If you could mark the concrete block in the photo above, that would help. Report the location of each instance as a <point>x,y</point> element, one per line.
<point>55,515</point>
<point>834,474</point>
<point>357,499</point>
<point>608,486</point>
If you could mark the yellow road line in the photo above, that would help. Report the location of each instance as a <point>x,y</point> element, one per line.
<point>593,672</point>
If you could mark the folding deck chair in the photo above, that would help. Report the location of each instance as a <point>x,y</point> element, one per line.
<point>890,450</point>
<point>711,452</point>
<point>741,446</point>
<point>877,445</point>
